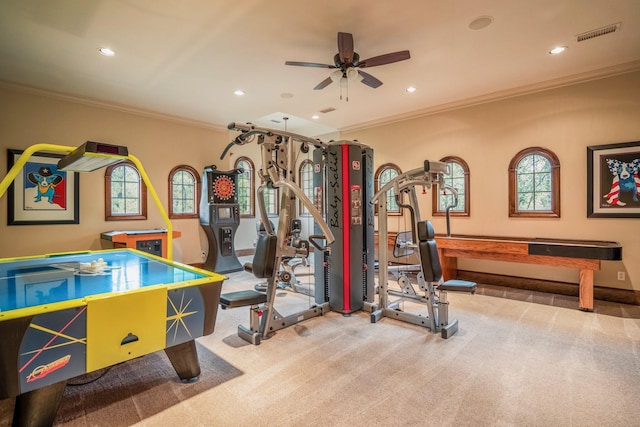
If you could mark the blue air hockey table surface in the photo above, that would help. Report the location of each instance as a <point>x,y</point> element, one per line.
<point>63,315</point>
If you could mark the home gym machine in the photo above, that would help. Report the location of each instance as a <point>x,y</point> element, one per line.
<point>342,184</point>
<point>429,277</point>
<point>220,218</point>
<point>278,154</point>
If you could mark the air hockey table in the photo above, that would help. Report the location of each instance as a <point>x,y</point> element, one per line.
<point>64,315</point>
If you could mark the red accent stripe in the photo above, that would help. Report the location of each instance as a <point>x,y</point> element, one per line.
<point>346,230</point>
<point>614,192</point>
<point>52,339</point>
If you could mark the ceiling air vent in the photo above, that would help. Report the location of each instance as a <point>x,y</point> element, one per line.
<point>598,32</point>
<point>327,110</point>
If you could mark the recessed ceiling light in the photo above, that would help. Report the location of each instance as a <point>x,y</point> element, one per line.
<point>480,23</point>
<point>106,51</point>
<point>239,92</point>
<point>315,117</point>
<point>557,50</point>
<point>411,89</point>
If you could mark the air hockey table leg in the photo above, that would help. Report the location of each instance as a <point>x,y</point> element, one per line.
<point>38,407</point>
<point>184,358</point>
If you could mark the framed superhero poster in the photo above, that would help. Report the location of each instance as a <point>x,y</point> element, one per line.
<point>40,193</point>
<point>613,180</point>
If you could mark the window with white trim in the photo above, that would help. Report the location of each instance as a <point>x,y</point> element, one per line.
<point>383,175</point>
<point>534,184</point>
<point>245,180</point>
<point>458,179</point>
<point>306,183</point>
<point>125,193</point>
<point>184,192</point>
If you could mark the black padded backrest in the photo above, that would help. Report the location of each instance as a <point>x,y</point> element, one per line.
<point>425,231</point>
<point>264,258</point>
<point>429,252</point>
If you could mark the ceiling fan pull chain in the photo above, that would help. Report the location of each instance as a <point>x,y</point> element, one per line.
<point>347,90</point>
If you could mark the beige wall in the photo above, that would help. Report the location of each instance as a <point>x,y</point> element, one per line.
<point>487,136</point>
<point>564,120</point>
<point>28,118</point>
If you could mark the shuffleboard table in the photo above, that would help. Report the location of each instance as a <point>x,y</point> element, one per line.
<point>585,255</point>
<point>63,315</point>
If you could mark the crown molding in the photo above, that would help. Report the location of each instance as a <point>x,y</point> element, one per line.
<point>574,79</point>
<point>598,74</point>
<point>110,106</point>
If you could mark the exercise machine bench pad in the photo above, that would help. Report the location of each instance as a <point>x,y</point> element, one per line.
<point>455,285</point>
<point>242,299</point>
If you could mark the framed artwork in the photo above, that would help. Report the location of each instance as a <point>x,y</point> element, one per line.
<point>613,180</point>
<point>41,194</point>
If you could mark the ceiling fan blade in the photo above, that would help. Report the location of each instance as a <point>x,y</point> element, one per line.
<point>309,64</point>
<point>369,80</point>
<point>345,47</point>
<point>385,59</point>
<point>326,82</point>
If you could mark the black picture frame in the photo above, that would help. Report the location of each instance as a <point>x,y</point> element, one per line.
<point>32,204</point>
<point>613,180</point>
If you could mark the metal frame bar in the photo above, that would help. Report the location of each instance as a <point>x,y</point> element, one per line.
<point>30,151</point>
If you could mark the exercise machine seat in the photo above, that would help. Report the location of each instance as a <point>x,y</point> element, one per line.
<point>455,285</point>
<point>262,267</point>
<point>431,267</point>
<point>264,258</point>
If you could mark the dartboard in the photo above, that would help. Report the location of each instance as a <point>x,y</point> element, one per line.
<point>223,187</point>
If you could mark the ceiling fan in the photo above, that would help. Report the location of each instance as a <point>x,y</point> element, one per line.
<point>347,63</point>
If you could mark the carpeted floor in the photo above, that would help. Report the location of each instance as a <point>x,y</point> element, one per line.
<point>519,359</point>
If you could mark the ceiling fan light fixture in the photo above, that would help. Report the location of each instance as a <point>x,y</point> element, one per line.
<point>411,89</point>
<point>347,65</point>
<point>352,74</point>
<point>238,92</point>
<point>336,75</point>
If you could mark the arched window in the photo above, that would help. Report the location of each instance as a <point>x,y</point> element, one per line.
<point>184,192</point>
<point>306,183</point>
<point>534,184</point>
<point>383,175</point>
<point>125,193</point>
<point>458,179</point>
<point>246,195</point>
<point>272,200</point>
